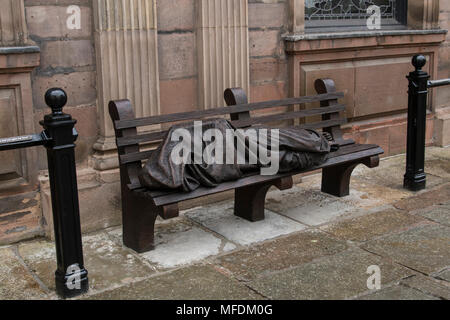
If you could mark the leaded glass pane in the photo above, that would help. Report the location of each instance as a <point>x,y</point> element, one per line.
<point>347,9</point>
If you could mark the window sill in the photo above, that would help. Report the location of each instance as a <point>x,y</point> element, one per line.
<point>315,42</point>
<point>293,37</point>
<point>19,50</point>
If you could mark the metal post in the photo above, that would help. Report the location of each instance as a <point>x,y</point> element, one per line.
<point>71,277</point>
<point>415,178</point>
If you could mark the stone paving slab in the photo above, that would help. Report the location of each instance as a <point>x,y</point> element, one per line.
<point>341,276</point>
<point>307,205</point>
<point>444,275</point>
<point>221,219</point>
<point>372,225</point>
<point>16,283</point>
<point>284,253</point>
<point>106,262</point>
<point>424,248</point>
<point>192,283</point>
<point>398,292</point>
<point>307,248</point>
<point>437,152</point>
<point>438,167</point>
<point>180,242</point>
<point>429,286</point>
<point>439,213</point>
<point>425,199</point>
<point>391,170</point>
<point>369,195</point>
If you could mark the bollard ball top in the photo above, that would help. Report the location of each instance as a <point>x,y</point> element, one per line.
<point>56,99</point>
<point>419,61</point>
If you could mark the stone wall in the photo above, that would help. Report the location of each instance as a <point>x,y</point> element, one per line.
<point>193,67</point>
<point>67,61</point>
<point>268,20</point>
<point>177,55</point>
<point>442,132</point>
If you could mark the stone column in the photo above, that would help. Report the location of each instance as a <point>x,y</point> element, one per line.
<point>13,28</point>
<point>423,14</point>
<point>297,16</point>
<point>127,66</point>
<point>223,55</point>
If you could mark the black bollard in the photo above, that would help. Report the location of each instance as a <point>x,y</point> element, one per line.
<point>71,277</point>
<point>415,178</point>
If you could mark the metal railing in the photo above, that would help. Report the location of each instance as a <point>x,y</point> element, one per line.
<point>58,137</point>
<point>419,84</point>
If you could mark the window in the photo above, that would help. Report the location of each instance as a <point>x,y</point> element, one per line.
<point>352,14</point>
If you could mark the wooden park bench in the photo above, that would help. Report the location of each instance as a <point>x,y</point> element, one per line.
<point>140,207</point>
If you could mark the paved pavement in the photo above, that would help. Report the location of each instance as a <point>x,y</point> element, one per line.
<point>311,246</point>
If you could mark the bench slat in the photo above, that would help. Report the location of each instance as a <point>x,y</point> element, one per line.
<point>175,197</point>
<point>195,115</point>
<point>287,116</point>
<point>155,136</point>
<point>144,155</point>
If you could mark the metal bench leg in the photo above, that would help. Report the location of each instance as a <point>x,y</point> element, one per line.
<point>336,179</point>
<point>249,201</point>
<point>138,218</point>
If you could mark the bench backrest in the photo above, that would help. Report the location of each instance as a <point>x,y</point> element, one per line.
<point>239,111</point>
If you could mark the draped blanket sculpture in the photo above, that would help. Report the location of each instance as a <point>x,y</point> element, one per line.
<point>229,154</point>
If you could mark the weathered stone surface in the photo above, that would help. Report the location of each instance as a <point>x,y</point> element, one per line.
<point>368,195</point>
<point>340,276</point>
<point>193,283</point>
<point>429,286</point>
<point>178,95</point>
<point>267,15</point>
<point>444,275</point>
<point>221,219</point>
<point>424,248</point>
<point>179,242</point>
<point>436,152</point>
<point>176,55</point>
<point>390,174</point>
<point>268,91</point>
<point>20,217</point>
<point>264,43</point>
<point>67,54</point>
<point>372,225</point>
<point>222,49</point>
<point>439,167</point>
<point>103,198</point>
<point>423,200</point>
<point>307,205</point>
<point>279,254</point>
<point>16,283</point>
<point>439,213</point>
<point>443,118</point>
<point>108,264</point>
<point>176,15</point>
<point>80,87</point>
<point>47,21</point>
<point>267,70</point>
<point>398,292</point>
